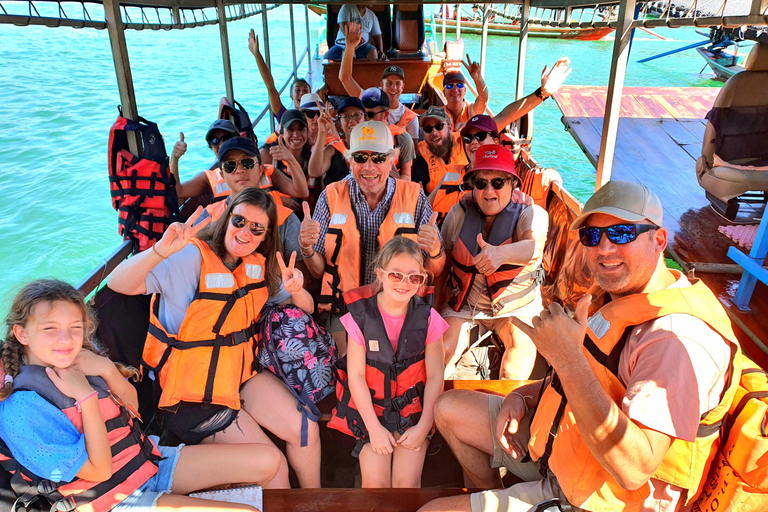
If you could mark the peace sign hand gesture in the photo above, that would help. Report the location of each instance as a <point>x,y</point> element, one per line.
<point>293,279</point>
<point>178,235</point>
<point>473,68</point>
<point>324,123</point>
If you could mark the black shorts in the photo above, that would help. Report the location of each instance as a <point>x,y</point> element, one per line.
<point>193,422</point>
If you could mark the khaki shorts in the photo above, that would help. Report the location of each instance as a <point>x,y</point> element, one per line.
<point>520,497</point>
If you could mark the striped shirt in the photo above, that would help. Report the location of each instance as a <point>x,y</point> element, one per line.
<point>368,221</point>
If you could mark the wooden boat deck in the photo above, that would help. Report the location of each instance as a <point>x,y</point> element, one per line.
<point>659,140</point>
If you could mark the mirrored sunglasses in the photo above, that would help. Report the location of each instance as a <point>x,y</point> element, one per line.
<point>239,222</point>
<point>618,234</point>
<point>377,158</point>
<point>451,86</point>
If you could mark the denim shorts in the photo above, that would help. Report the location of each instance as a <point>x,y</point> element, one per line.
<point>145,498</point>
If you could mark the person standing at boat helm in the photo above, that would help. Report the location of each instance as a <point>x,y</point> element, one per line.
<point>376,104</point>
<point>454,90</point>
<point>356,216</point>
<point>328,160</point>
<point>362,15</point>
<point>210,287</point>
<point>241,168</point>
<point>639,372</point>
<point>495,246</point>
<point>441,161</point>
<point>220,131</point>
<point>392,83</point>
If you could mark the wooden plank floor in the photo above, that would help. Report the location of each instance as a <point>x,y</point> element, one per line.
<point>659,140</point>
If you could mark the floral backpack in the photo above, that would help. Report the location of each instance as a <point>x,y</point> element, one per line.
<point>302,354</point>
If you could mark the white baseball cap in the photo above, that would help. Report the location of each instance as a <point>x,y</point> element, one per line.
<point>371,136</point>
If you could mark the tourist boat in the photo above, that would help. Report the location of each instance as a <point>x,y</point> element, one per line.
<point>592,115</point>
<point>724,62</point>
<point>512,29</point>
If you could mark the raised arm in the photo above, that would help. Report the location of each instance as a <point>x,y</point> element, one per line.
<point>320,159</point>
<point>353,36</point>
<point>275,103</point>
<point>482,89</point>
<point>190,188</point>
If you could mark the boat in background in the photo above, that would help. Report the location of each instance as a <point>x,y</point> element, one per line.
<point>724,62</point>
<point>512,29</point>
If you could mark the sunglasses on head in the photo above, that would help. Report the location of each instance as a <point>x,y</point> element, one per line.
<point>217,141</point>
<point>428,129</point>
<point>398,277</point>
<point>451,86</point>
<point>618,234</point>
<point>482,183</point>
<point>239,222</point>
<point>357,116</point>
<point>230,166</point>
<point>371,114</point>
<point>310,114</point>
<point>377,158</point>
<point>479,137</point>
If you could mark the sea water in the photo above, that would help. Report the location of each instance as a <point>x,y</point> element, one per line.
<point>59,97</point>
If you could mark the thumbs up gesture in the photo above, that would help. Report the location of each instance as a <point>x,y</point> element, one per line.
<point>490,257</point>
<point>179,148</point>
<point>280,152</point>
<point>429,237</point>
<point>309,232</point>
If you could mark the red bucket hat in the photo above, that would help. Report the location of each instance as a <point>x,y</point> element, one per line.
<point>494,157</point>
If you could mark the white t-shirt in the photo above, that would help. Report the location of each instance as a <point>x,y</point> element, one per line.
<point>412,128</point>
<point>368,22</point>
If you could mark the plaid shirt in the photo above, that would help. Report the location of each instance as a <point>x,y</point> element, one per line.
<point>368,221</point>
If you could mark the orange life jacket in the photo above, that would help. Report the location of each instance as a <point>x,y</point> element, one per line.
<point>408,116</point>
<point>555,438</point>
<point>533,187</point>
<point>396,379</point>
<point>345,265</point>
<point>134,457</point>
<point>395,129</point>
<point>221,190</point>
<point>463,117</point>
<point>450,192</point>
<point>511,286</point>
<point>213,352</point>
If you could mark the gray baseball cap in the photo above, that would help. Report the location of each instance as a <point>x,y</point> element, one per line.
<point>625,200</point>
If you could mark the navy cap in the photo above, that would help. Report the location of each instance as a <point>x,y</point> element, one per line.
<point>350,101</point>
<point>221,124</point>
<point>375,97</point>
<point>290,117</point>
<point>453,77</point>
<point>243,144</point>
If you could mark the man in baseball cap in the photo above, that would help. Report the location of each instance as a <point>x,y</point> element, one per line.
<point>646,360</point>
<point>454,90</point>
<point>369,207</point>
<point>327,160</point>
<point>487,234</point>
<point>376,104</point>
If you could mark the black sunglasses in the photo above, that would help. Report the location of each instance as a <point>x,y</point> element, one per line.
<point>230,166</point>
<point>482,183</point>
<point>618,234</point>
<point>217,141</point>
<point>310,114</point>
<point>377,158</point>
<point>371,115</point>
<point>479,137</point>
<point>239,222</point>
<point>428,129</point>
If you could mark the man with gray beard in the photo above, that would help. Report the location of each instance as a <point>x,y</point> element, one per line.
<point>441,153</point>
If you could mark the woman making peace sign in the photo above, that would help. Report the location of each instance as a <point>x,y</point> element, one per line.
<point>200,347</point>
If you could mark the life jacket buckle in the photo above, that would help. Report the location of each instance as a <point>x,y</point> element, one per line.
<point>240,293</point>
<point>239,337</point>
<point>399,403</point>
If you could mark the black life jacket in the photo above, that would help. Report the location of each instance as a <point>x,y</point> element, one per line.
<point>396,380</point>
<point>143,189</point>
<point>134,457</point>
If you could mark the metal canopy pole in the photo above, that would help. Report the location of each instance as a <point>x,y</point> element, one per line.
<point>293,43</point>
<point>267,58</point>
<point>522,48</point>
<point>122,69</point>
<point>225,49</point>
<point>615,89</point>
<point>484,40</point>
<point>445,15</point>
<point>309,44</point>
<point>458,21</point>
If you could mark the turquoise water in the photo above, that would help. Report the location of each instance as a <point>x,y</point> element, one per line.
<point>58,98</point>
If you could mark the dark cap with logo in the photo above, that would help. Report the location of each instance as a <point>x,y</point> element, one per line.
<point>375,97</point>
<point>243,144</point>
<point>221,124</point>
<point>482,122</point>
<point>393,70</point>
<point>435,112</point>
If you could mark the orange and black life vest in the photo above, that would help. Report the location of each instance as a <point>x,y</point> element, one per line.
<point>396,379</point>
<point>213,352</point>
<point>511,286</point>
<point>408,116</point>
<point>143,189</point>
<point>463,116</point>
<point>217,209</point>
<point>555,438</point>
<point>134,457</point>
<point>221,190</point>
<point>345,259</point>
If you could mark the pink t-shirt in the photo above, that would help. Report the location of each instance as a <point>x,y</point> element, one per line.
<point>393,325</point>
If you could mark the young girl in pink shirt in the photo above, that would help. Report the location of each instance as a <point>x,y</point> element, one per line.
<point>393,371</point>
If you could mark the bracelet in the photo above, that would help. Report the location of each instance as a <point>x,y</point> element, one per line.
<point>83,399</point>
<point>307,255</point>
<point>540,94</point>
<point>155,251</point>
<point>438,254</point>
<point>525,404</point>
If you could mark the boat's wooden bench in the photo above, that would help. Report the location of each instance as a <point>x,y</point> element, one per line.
<point>336,500</point>
<point>368,74</point>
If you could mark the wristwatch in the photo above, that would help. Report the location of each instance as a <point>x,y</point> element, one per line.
<point>540,94</point>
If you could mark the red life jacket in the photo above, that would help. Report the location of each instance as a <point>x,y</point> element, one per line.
<point>511,286</point>
<point>134,457</point>
<point>396,379</point>
<point>143,190</point>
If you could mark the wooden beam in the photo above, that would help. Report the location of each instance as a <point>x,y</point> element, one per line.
<point>97,275</point>
<point>116,31</point>
<point>522,48</point>
<point>484,39</point>
<point>615,89</point>
<point>220,7</point>
<point>759,7</point>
